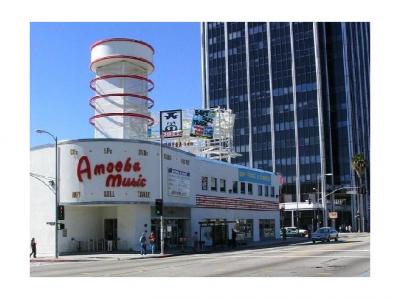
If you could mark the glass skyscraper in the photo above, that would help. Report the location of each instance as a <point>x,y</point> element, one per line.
<point>300,92</point>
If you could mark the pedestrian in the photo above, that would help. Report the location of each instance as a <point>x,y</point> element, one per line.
<point>152,240</point>
<point>284,233</point>
<point>349,228</point>
<point>234,234</point>
<point>109,242</point>
<point>33,248</point>
<point>142,241</point>
<point>195,241</point>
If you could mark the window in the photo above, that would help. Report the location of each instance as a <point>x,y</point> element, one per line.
<point>267,228</point>
<point>235,187</point>
<point>204,183</point>
<point>266,191</point>
<point>250,188</point>
<point>272,191</point>
<point>244,228</point>
<point>222,187</point>
<point>243,188</point>
<point>213,184</point>
<point>259,190</point>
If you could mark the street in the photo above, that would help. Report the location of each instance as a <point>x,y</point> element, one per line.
<point>349,257</point>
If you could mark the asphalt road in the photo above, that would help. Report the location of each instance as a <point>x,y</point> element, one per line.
<point>349,257</point>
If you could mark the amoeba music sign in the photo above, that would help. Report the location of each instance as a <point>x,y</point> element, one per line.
<point>100,172</point>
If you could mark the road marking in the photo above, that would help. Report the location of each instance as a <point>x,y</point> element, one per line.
<point>294,256</point>
<point>346,250</point>
<point>324,273</point>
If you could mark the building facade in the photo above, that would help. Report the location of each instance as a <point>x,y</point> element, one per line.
<point>108,188</point>
<point>300,92</point>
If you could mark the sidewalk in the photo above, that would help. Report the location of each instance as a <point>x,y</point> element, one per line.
<point>130,255</point>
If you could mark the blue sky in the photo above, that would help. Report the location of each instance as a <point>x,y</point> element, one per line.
<point>60,75</point>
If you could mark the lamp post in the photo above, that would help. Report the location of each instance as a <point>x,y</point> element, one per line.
<point>315,202</point>
<point>56,188</point>
<point>323,196</point>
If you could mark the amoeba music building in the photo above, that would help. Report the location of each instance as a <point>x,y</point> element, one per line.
<point>108,184</point>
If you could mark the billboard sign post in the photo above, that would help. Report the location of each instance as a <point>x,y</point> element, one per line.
<point>170,127</point>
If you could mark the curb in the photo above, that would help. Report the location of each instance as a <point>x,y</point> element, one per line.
<point>93,258</point>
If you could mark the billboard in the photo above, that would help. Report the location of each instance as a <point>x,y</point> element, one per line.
<point>171,123</point>
<point>203,124</point>
<point>178,183</point>
<point>252,176</point>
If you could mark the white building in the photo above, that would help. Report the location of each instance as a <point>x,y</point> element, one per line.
<point>108,185</point>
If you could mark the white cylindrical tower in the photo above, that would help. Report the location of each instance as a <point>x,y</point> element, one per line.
<point>121,104</point>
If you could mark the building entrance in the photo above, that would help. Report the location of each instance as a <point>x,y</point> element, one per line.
<point>214,232</point>
<point>110,232</point>
<point>175,232</point>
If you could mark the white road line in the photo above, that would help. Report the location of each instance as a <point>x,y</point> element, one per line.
<point>285,256</point>
<point>315,250</point>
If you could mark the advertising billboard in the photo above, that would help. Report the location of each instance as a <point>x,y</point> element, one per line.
<point>203,124</point>
<point>171,123</point>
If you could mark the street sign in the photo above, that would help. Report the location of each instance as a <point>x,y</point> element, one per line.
<point>333,215</point>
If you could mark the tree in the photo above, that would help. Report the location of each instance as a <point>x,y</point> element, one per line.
<point>359,165</point>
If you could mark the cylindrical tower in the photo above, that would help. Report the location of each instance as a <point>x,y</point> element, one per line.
<point>121,104</point>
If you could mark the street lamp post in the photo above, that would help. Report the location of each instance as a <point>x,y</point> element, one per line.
<point>315,225</point>
<point>323,196</point>
<point>56,188</point>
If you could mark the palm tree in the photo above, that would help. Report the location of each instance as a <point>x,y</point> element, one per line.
<point>359,165</point>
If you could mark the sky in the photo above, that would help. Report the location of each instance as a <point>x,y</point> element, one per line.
<point>60,75</point>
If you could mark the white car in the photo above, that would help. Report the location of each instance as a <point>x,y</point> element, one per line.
<point>292,231</point>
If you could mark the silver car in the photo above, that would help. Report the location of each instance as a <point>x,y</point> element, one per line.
<point>325,234</point>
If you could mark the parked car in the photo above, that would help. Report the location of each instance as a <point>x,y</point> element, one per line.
<point>325,234</point>
<point>293,231</point>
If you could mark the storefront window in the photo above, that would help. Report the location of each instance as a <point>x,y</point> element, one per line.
<point>244,229</point>
<point>267,228</point>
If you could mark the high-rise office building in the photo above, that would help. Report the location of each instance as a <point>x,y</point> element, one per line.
<point>300,92</point>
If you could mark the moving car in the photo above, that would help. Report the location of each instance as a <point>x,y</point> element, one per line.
<point>293,231</point>
<point>325,234</point>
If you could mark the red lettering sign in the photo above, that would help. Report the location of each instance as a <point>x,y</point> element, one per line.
<point>113,180</point>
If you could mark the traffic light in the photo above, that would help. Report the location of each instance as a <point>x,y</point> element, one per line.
<point>159,207</point>
<point>60,215</point>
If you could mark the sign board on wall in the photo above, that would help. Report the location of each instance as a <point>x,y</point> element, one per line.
<point>104,171</point>
<point>178,183</point>
<point>247,175</point>
<point>171,123</point>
